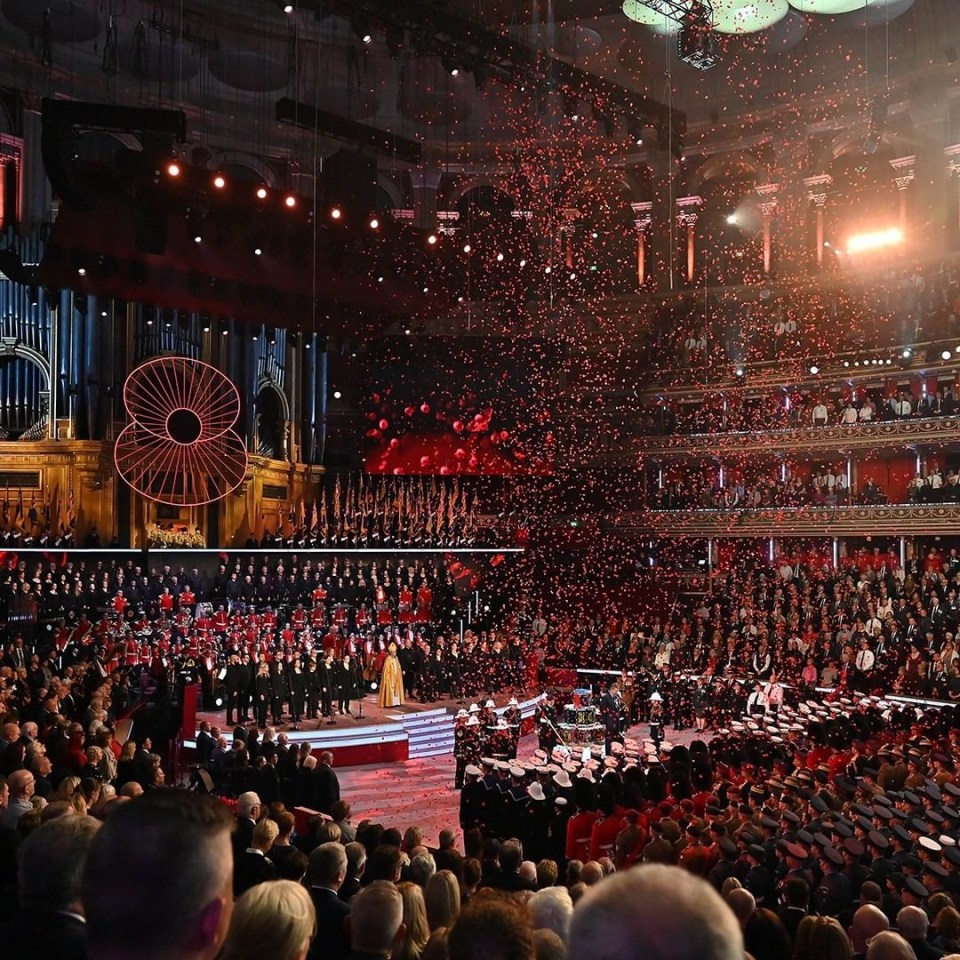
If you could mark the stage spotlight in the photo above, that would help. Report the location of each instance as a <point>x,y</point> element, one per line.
<point>907,353</point>
<point>814,369</point>
<point>361,28</point>
<point>432,239</point>
<point>288,8</point>
<point>218,702</point>
<point>337,394</point>
<point>467,248</point>
<point>82,271</point>
<point>197,238</point>
<point>499,258</point>
<point>290,200</point>
<point>336,213</point>
<point>846,363</point>
<point>548,269</point>
<point>946,354</point>
<point>257,251</point>
<point>876,239</point>
<point>732,218</point>
<point>740,371</point>
<point>889,361</point>
<point>219,182</point>
<point>261,193</point>
<point>374,223</point>
<point>450,66</point>
<point>271,335</point>
<point>173,169</point>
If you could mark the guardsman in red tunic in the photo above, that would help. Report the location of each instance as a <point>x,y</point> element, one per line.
<point>405,606</point>
<point>382,605</point>
<point>269,619</point>
<point>221,620</point>
<point>287,636</point>
<point>131,651</point>
<point>424,604</point>
<point>298,619</point>
<point>188,598</point>
<point>362,618</point>
<point>119,603</point>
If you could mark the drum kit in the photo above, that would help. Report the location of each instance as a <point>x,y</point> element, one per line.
<point>581,725</point>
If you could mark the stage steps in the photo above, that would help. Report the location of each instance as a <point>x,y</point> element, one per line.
<point>429,732</point>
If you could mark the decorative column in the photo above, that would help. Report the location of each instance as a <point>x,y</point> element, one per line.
<point>951,155</point>
<point>767,206</point>
<point>643,213</point>
<point>817,193</point>
<point>568,227</point>
<point>687,217</point>
<point>903,177</point>
<point>424,182</point>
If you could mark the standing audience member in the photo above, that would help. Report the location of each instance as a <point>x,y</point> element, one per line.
<point>158,883</point>
<point>654,912</point>
<point>328,870</point>
<point>275,920</point>
<point>49,924</point>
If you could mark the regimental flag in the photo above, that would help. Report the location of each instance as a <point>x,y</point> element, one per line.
<point>314,521</point>
<point>302,515</point>
<point>18,514</point>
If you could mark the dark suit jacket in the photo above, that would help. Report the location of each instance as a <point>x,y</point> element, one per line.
<point>44,935</point>
<point>249,869</point>
<point>326,788</point>
<point>332,941</point>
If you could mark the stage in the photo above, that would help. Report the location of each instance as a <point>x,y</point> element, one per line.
<point>383,735</point>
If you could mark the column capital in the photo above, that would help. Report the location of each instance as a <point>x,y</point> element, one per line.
<point>447,221</point>
<point>952,156</point>
<point>817,188</point>
<point>687,210</point>
<point>903,171</point>
<point>643,214</point>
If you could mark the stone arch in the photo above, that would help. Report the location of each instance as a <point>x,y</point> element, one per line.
<point>272,419</point>
<point>390,188</point>
<point>463,186</point>
<point>737,162</point>
<point>259,167</point>
<point>16,349</point>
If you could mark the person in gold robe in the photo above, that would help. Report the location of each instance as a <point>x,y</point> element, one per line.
<point>391,680</point>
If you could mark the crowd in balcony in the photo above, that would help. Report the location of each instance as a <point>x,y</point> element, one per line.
<point>780,410</point>
<point>907,305</point>
<point>800,619</point>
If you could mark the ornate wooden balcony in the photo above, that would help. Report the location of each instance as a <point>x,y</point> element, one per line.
<point>611,444</point>
<point>893,519</point>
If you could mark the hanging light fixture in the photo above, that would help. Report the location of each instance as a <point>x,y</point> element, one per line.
<point>828,7</point>
<point>747,16</point>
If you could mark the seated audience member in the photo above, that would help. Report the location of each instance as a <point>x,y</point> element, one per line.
<point>158,883</point>
<point>491,927</point>
<point>889,946</point>
<point>868,921</point>
<point>551,909</point>
<point>49,924</point>
<point>356,865</point>
<point>327,871</point>
<point>274,919</point>
<point>654,912</point>
<point>913,924</point>
<point>375,923</point>
<point>442,898</point>
<point>416,930</point>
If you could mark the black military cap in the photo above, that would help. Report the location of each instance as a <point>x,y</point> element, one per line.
<point>833,855</point>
